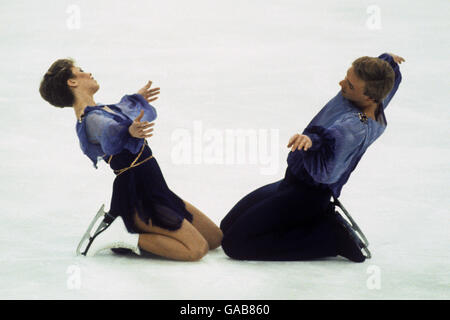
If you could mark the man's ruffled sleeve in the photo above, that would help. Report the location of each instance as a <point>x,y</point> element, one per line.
<point>112,135</point>
<point>398,77</point>
<point>333,149</point>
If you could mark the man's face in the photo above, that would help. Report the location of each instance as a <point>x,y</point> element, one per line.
<point>353,88</point>
<point>83,81</point>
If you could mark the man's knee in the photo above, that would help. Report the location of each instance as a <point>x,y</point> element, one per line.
<point>233,247</point>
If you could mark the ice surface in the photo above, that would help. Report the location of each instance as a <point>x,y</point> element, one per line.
<point>230,65</point>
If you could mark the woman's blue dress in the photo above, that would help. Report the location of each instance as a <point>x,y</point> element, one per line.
<point>104,135</point>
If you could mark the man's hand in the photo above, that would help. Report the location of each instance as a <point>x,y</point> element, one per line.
<point>396,58</point>
<point>139,129</point>
<point>299,141</point>
<point>148,93</point>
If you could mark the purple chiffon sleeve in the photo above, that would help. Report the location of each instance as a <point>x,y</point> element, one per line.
<point>133,104</point>
<point>112,135</point>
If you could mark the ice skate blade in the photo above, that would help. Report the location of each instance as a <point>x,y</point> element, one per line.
<point>87,235</point>
<point>353,224</point>
<point>367,253</point>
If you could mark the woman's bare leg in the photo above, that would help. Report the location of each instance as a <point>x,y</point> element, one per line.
<point>208,229</point>
<point>185,244</point>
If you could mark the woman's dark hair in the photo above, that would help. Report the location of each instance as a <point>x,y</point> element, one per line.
<point>54,88</point>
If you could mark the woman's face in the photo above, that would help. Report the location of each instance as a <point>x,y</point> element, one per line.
<point>83,81</point>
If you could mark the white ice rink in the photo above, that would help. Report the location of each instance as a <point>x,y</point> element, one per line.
<point>223,65</point>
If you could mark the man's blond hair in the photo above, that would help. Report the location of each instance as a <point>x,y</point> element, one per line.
<point>378,76</point>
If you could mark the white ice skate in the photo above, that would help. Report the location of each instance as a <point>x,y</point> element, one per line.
<point>111,233</point>
<point>114,236</point>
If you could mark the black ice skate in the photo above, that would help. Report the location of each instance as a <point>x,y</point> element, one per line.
<point>353,229</point>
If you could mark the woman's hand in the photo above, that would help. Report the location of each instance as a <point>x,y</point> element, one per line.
<point>396,58</point>
<point>148,93</point>
<point>140,129</point>
<point>299,141</point>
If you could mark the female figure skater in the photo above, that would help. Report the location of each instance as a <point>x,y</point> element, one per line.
<point>294,219</point>
<point>149,215</point>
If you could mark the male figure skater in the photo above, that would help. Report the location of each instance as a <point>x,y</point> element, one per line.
<point>294,219</point>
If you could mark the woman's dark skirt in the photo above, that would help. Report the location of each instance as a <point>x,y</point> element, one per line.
<point>144,189</point>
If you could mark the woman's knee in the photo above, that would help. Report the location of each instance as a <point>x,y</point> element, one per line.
<point>215,240</point>
<point>198,250</point>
